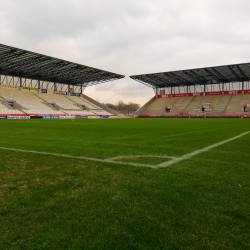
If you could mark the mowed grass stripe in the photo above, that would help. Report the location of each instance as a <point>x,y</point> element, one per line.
<point>51,202</point>
<point>111,160</point>
<point>92,138</point>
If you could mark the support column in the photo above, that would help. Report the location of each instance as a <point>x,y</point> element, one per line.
<point>21,82</point>
<point>54,86</point>
<point>39,86</point>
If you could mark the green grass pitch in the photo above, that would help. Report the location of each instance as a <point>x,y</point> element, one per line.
<point>53,202</point>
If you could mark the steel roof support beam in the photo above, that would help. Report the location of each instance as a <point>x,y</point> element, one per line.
<point>221,77</point>
<point>233,72</point>
<point>244,76</point>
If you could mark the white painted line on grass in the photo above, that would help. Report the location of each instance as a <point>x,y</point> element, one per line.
<point>136,156</point>
<point>111,160</point>
<point>78,157</point>
<point>187,156</point>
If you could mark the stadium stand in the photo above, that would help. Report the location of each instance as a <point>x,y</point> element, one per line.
<point>60,100</point>
<point>82,101</point>
<point>32,102</point>
<point>236,104</point>
<point>221,103</point>
<point>27,102</point>
<point>8,111</point>
<point>37,84</point>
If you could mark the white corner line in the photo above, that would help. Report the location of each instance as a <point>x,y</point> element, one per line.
<point>79,157</point>
<point>187,156</point>
<point>111,160</point>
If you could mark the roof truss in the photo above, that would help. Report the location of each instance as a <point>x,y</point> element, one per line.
<point>21,63</point>
<point>208,75</point>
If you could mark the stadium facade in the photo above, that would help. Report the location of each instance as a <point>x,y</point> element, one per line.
<point>39,86</point>
<point>221,91</point>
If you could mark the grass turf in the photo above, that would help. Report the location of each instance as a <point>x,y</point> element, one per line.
<point>50,202</point>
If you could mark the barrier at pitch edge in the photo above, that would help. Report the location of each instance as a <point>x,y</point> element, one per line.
<point>43,116</point>
<point>232,92</point>
<point>192,116</point>
<point>18,117</point>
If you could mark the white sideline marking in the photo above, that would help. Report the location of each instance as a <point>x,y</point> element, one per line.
<point>111,160</point>
<point>187,156</point>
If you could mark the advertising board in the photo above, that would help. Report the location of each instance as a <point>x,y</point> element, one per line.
<point>50,91</point>
<point>246,91</point>
<point>29,89</point>
<point>213,93</point>
<point>196,94</point>
<point>18,117</point>
<point>9,103</point>
<point>164,96</point>
<point>59,92</point>
<point>94,117</point>
<point>44,91</point>
<point>3,117</point>
<point>179,95</point>
<point>66,117</point>
<point>75,94</point>
<point>7,86</point>
<point>233,92</point>
<point>50,117</point>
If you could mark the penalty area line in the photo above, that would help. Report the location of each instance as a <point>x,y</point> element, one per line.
<point>187,156</point>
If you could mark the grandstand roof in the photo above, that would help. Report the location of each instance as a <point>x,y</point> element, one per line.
<point>22,63</point>
<point>209,75</point>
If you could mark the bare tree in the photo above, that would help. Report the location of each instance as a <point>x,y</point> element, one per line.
<point>121,105</point>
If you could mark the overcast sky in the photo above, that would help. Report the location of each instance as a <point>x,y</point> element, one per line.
<point>130,37</point>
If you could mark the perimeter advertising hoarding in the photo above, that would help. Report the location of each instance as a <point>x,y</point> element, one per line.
<point>29,89</point>
<point>246,91</point>
<point>81,117</point>
<point>196,94</point>
<point>233,92</point>
<point>179,95</point>
<point>50,91</point>
<point>94,117</point>
<point>213,93</point>
<point>163,96</point>
<point>3,117</point>
<point>44,91</point>
<point>50,117</point>
<point>18,117</point>
<point>74,94</point>
<point>58,92</point>
<point>8,86</point>
<point>66,117</point>
<point>9,103</point>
